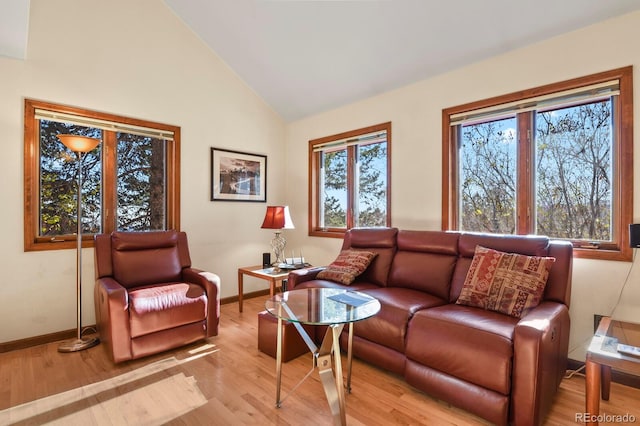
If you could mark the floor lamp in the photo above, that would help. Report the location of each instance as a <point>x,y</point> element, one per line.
<point>79,145</point>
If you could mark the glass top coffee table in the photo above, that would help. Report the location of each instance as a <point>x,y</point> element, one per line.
<point>322,306</point>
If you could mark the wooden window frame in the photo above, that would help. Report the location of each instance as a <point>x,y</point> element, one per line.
<point>314,184</point>
<point>622,163</point>
<point>32,240</point>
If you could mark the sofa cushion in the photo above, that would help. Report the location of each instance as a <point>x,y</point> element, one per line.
<point>426,272</point>
<point>160,307</point>
<point>469,343</point>
<point>509,283</point>
<point>397,305</point>
<point>347,266</point>
<point>425,261</point>
<point>381,241</point>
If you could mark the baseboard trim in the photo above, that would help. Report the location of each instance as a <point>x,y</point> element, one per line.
<point>38,340</point>
<point>70,334</point>
<point>245,296</point>
<point>616,376</point>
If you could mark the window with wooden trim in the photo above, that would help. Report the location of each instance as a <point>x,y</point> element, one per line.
<point>130,180</point>
<point>350,181</point>
<point>555,160</point>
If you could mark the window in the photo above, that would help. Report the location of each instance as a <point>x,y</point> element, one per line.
<point>350,181</point>
<point>555,160</point>
<point>130,181</point>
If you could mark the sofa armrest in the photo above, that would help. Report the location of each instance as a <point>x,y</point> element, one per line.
<point>111,302</point>
<point>298,276</point>
<point>541,345</point>
<point>211,284</point>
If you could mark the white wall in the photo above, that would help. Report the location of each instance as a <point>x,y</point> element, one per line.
<point>415,112</point>
<point>137,59</point>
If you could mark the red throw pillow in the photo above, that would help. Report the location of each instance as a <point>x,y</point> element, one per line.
<point>347,266</point>
<point>510,283</point>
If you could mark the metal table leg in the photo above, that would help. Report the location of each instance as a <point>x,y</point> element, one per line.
<point>330,369</point>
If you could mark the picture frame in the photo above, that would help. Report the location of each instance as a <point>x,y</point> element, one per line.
<point>238,176</point>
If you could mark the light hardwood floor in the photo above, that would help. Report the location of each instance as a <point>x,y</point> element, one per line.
<point>227,381</point>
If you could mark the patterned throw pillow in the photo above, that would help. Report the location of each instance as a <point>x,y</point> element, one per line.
<point>347,266</point>
<point>505,282</point>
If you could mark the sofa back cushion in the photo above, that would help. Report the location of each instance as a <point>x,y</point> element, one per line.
<point>558,286</point>
<point>142,258</point>
<point>382,242</point>
<point>510,283</point>
<point>425,261</point>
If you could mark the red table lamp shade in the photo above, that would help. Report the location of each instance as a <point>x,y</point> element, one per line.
<point>277,217</point>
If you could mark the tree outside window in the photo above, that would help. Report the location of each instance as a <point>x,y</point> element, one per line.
<point>130,181</point>
<point>488,177</point>
<point>574,170</point>
<point>554,161</point>
<point>59,180</point>
<point>350,181</point>
<point>141,193</point>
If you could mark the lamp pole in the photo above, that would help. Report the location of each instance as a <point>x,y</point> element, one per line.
<point>79,145</point>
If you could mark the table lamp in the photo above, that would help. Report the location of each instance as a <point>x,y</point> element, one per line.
<point>79,145</point>
<point>278,218</point>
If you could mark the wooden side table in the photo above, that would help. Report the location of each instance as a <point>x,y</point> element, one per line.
<point>602,356</point>
<point>268,274</point>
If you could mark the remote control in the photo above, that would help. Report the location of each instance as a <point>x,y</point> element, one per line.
<point>629,350</point>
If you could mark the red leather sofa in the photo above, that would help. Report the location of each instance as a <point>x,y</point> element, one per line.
<point>501,368</point>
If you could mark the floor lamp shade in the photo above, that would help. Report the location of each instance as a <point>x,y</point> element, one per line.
<point>79,145</point>
<point>634,235</point>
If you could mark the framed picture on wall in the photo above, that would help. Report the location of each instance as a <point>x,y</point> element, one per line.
<point>238,176</point>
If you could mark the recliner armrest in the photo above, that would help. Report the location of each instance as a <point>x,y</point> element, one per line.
<point>298,276</point>
<point>112,317</point>
<point>211,283</point>
<point>541,343</point>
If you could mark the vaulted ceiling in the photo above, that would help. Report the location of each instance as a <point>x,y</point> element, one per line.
<point>308,56</point>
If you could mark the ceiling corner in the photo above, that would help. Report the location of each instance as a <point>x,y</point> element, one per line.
<point>14,28</point>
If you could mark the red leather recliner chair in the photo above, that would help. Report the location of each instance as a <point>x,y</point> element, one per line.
<point>148,298</point>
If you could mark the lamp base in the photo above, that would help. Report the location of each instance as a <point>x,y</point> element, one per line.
<point>76,345</point>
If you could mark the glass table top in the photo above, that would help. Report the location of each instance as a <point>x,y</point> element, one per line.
<point>604,349</point>
<point>322,306</point>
